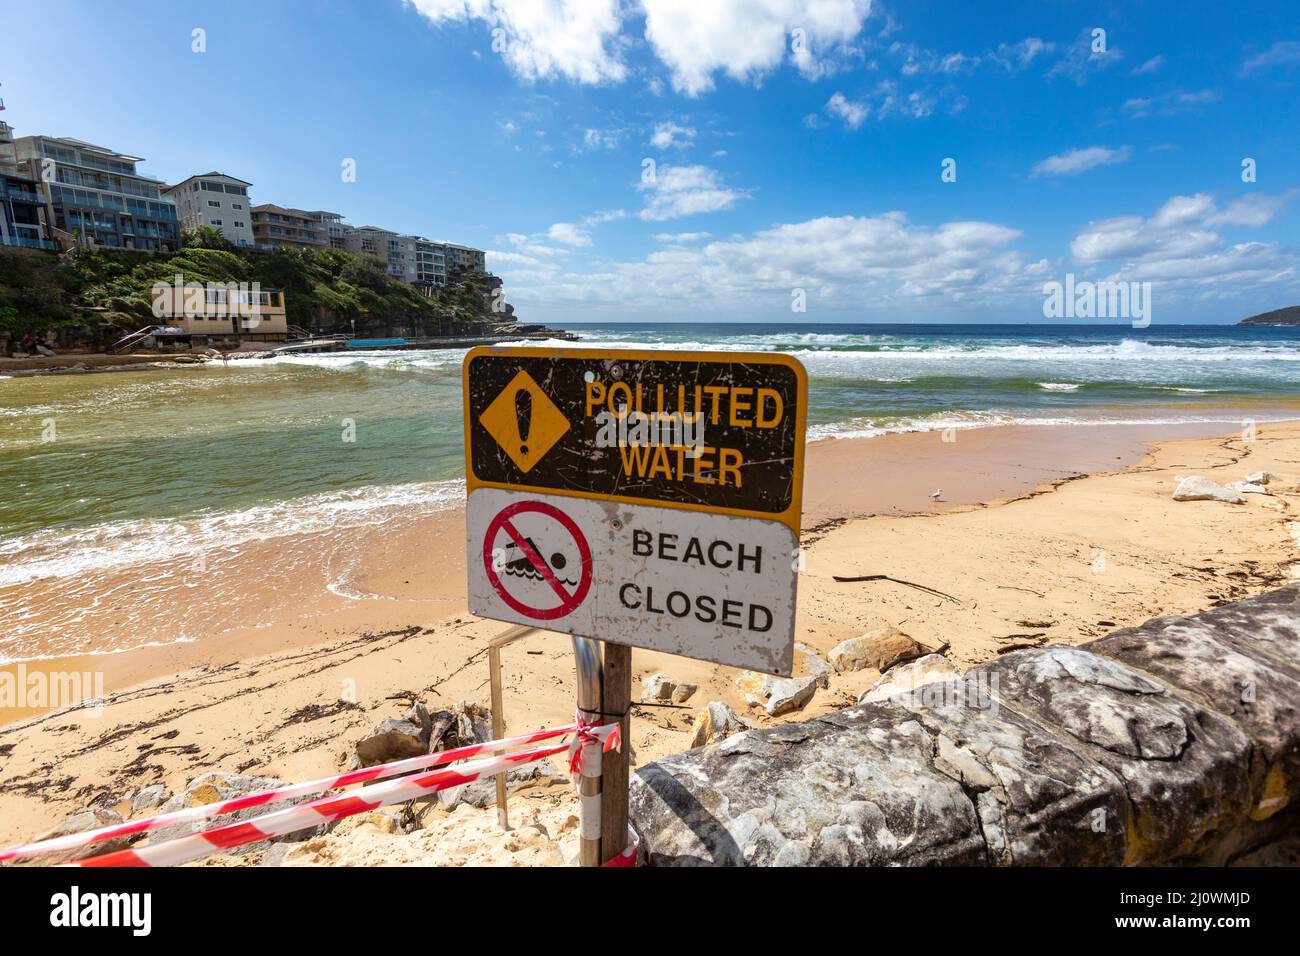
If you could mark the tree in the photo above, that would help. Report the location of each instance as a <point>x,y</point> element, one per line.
<point>207,237</point>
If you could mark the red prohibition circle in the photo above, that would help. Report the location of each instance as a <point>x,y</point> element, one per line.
<point>568,602</point>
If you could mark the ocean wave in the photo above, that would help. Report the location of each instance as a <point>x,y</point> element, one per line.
<point>929,351</point>
<point>866,428</point>
<point>59,553</point>
<point>1059,386</point>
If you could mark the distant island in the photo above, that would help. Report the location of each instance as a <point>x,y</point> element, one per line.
<point>1288,316</point>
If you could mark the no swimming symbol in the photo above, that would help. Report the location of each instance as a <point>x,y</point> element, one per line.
<point>534,555</point>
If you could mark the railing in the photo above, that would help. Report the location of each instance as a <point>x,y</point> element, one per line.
<point>27,243</point>
<point>126,341</point>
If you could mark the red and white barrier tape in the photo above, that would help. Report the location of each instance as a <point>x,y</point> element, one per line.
<point>628,856</point>
<point>188,848</point>
<point>261,798</point>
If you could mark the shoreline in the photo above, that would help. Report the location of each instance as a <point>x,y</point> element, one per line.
<point>1047,562</point>
<point>227,610</point>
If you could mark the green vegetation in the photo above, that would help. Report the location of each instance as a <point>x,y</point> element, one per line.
<point>326,290</point>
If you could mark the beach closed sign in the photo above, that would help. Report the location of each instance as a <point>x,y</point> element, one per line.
<point>646,498</point>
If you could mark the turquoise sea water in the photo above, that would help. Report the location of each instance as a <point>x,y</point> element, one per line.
<point>144,465</point>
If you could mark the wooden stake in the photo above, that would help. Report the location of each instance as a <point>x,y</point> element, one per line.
<point>616,698</point>
<point>498,730</point>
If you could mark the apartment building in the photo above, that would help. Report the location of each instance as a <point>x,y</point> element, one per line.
<point>96,195</point>
<point>411,259</point>
<point>22,210</point>
<point>215,200</point>
<point>397,251</point>
<point>280,227</point>
<point>464,258</point>
<point>430,263</point>
<point>336,230</point>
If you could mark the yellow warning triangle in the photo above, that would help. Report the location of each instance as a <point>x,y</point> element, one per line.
<point>524,421</point>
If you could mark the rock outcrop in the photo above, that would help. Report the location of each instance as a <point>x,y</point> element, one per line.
<point>1174,742</point>
<point>1197,488</point>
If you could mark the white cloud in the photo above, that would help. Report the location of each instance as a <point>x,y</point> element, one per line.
<point>515,258</point>
<point>1020,56</point>
<point>583,40</point>
<point>881,259</point>
<point>600,138</point>
<point>1081,61</point>
<point>668,134</point>
<point>1151,65</point>
<point>533,247</point>
<point>846,109</point>
<point>574,39</point>
<point>1178,245</point>
<point>1283,51</point>
<point>914,105</point>
<point>678,191</point>
<point>1076,161</point>
<point>681,238</point>
<point>1169,104</point>
<point>606,215</point>
<point>1012,57</point>
<point>567,234</point>
<point>745,39</point>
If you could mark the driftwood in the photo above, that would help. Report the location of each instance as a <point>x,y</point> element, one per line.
<point>885,577</point>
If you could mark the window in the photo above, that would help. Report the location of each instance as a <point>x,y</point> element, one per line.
<point>215,202</point>
<point>235,205</point>
<point>238,224</point>
<point>216,222</point>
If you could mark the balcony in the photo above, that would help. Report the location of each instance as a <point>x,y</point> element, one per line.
<point>27,243</point>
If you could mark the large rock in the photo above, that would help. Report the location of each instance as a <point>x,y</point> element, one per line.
<point>1196,488</point>
<point>808,663</point>
<point>396,738</point>
<point>777,695</point>
<point>1037,799</point>
<point>1235,674</point>
<point>148,798</point>
<point>93,819</point>
<point>1186,770</point>
<point>1176,742</point>
<point>473,724</point>
<point>930,669</point>
<point>1247,488</point>
<point>852,788</point>
<point>657,687</point>
<point>714,722</point>
<point>212,787</point>
<point>880,649</point>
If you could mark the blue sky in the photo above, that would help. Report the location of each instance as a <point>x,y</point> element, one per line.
<point>797,144</point>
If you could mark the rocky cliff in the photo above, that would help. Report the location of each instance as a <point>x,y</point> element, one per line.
<point>1288,316</point>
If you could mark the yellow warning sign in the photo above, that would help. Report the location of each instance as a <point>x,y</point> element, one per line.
<point>524,421</point>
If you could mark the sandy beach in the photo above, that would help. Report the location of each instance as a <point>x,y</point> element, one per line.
<point>1041,535</point>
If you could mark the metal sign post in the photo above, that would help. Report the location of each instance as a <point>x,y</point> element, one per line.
<point>641,498</point>
<point>586,654</point>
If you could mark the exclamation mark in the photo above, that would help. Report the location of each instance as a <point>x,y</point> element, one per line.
<point>524,413</point>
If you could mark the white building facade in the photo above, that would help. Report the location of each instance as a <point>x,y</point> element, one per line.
<point>217,201</point>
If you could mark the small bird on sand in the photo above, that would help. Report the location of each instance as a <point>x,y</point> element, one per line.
<point>936,493</point>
